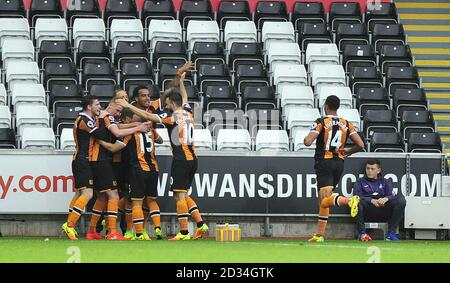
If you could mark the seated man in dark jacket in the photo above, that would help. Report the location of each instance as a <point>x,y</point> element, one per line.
<point>378,202</point>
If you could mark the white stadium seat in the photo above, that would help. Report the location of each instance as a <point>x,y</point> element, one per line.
<point>16,28</point>
<point>5,117</point>
<point>27,93</point>
<point>327,75</point>
<point>272,140</point>
<point>17,50</point>
<point>31,116</point>
<point>21,72</point>
<point>344,93</point>
<point>233,139</point>
<point>50,29</point>
<point>296,96</point>
<point>66,140</point>
<point>164,30</point>
<point>277,32</point>
<point>301,119</point>
<point>239,31</point>
<point>288,74</point>
<point>282,52</point>
<point>207,31</point>
<point>299,145</point>
<point>38,138</point>
<point>351,115</point>
<point>87,29</point>
<point>3,96</point>
<point>164,134</point>
<point>321,54</point>
<point>126,30</point>
<point>203,139</point>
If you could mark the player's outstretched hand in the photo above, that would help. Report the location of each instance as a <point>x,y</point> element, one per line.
<point>122,102</point>
<point>187,67</point>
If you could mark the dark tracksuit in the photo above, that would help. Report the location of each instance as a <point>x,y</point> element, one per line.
<point>393,210</point>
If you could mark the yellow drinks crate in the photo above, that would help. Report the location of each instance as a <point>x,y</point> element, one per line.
<point>228,232</point>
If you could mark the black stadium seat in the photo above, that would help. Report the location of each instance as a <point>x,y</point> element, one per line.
<point>65,115</point>
<point>57,70</point>
<point>372,99</point>
<point>244,52</point>
<point>136,72</point>
<point>395,56</point>
<point>119,9</point>
<point>246,75</point>
<point>207,53</point>
<point>424,142</point>
<point>91,48</point>
<point>270,11</point>
<point>358,55</point>
<point>103,90</point>
<point>409,100</point>
<point>234,11</point>
<point>384,13</point>
<point>195,10</point>
<point>354,33</point>
<point>12,8</point>
<point>54,48</point>
<point>130,49</point>
<point>169,52</point>
<point>345,12</point>
<point>62,91</point>
<point>262,97</point>
<point>313,33</point>
<point>307,12</point>
<point>44,9</point>
<point>220,97</point>
<point>167,72</point>
<point>416,122</point>
<point>212,74</point>
<point>82,9</point>
<point>387,142</point>
<point>387,34</point>
<point>157,9</point>
<point>401,77</point>
<point>364,77</point>
<point>382,121</point>
<point>7,138</point>
<point>95,70</point>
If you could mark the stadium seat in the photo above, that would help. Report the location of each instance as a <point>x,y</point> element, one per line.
<point>17,50</point>
<point>401,77</point>
<point>351,115</point>
<point>12,8</point>
<point>162,10</point>
<point>263,119</point>
<point>383,121</point>
<point>27,94</point>
<point>351,34</point>
<point>270,11</point>
<point>103,90</point>
<point>97,70</point>
<point>194,97</point>
<point>307,12</point>
<point>223,97</point>
<point>136,71</point>
<point>298,119</point>
<point>387,34</point>
<point>3,96</point>
<point>195,10</point>
<point>81,9</point>
<point>327,75</point>
<point>373,99</point>
<point>387,142</point>
<point>89,49</point>
<point>50,29</point>
<point>164,30</point>
<point>250,74</point>
<point>66,140</point>
<point>409,99</point>
<point>203,139</point>
<point>169,52</point>
<point>321,54</point>
<point>58,70</point>
<point>272,140</point>
<point>37,138</point>
<point>13,28</point>
<point>125,30</point>
<point>313,33</point>
<point>346,12</point>
<point>277,32</point>
<point>289,74</point>
<point>164,134</point>
<point>424,142</point>
<point>53,49</point>
<point>233,139</point>
<point>23,72</point>
<point>87,29</point>
<point>201,31</point>
<point>358,56</point>
<point>380,12</point>
<point>5,117</point>
<point>416,122</point>
<point>244,52</point>
<point>233,11</point>
<point>238,31</point>
<point>126,51</point>
<point>31,116</point>
<point>344,93</point>
<point>295,96</point>
<point>7,138</point>
<point>119,9</point>
<point>207,53</point>
<point>395,56</point>
<point>217,119</point>
<point>258,97</point>
<point>298,141</point>
<point>282,52</point>
<point>212,74</point>
<point>44,9</point>
<point>168,71</point>
<point>65,115</point>
<point>366,77</point>
<point>63,91</point>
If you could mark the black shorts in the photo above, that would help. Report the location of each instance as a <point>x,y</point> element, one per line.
<point>182,174</point>
<point>82,174</point>
<point>143,183</point>
<point>103,175</point>
<point>328,172</point>
<point>120,170</point>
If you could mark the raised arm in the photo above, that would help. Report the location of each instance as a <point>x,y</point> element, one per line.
<point>141,113</point>
<point>183,89</point>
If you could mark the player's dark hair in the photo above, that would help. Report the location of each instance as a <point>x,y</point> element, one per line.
<point>176,97</point>
<point>127,113</point>
<point>137,89</point>
<point>116,91</point>
<point>373,162</point>
<point>87,100</point>
<point>333,102</point>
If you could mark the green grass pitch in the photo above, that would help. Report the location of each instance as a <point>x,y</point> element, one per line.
<point>17,249</point>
